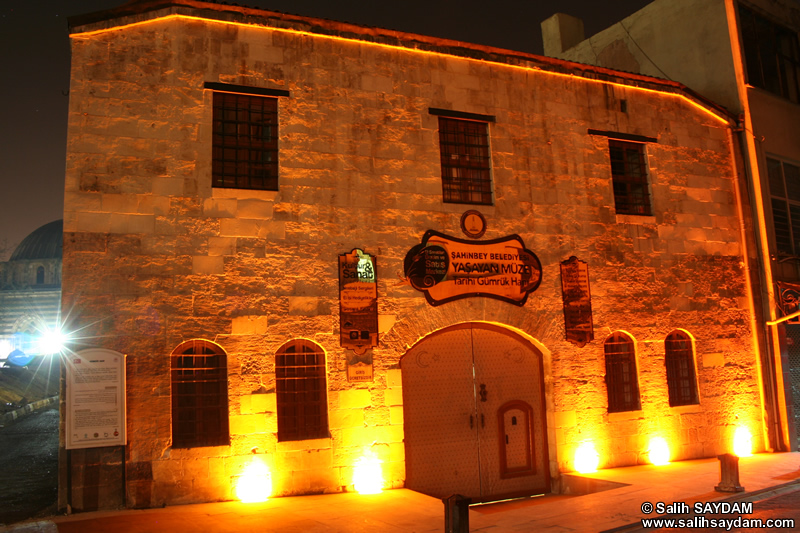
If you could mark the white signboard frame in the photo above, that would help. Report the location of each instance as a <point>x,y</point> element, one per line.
<point>95,399</point>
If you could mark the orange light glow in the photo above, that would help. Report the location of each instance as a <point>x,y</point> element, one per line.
<point>368,474</point>
<point>586,458</point>
<point>659,451</point>
<point>255,485</point>
<point>742,442</point>
<point>631,86</point>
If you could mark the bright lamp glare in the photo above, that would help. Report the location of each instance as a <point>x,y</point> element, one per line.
<point>659,451</point>
<point>5,349</point>
<point>586,458</point>
<point>743,442</point>
<point>51,342</point>
<point>256,484</point>
<point>368,474</point>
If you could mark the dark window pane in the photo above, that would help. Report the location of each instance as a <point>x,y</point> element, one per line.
<point>199,395</point>
<point>772,54</point>
<point>775,173</point>
<point>780,222</point>
<point>679,360</point>
<point>622,380</point>
<point>629,177</point>
<point>791,173</point>
<point>465,159</point>
<point>301,391</point>
<point>245,136</point>
<point>794,215</point>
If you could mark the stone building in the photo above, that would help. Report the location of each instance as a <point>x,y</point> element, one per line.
<point>316,242</point>
<point>744,55</point>
<point>30,293</point>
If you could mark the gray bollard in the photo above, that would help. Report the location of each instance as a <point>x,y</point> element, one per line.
<point>728,474</point>
<point>456,514</point>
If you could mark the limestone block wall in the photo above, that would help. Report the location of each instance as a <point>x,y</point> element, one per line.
<point>154,256</point>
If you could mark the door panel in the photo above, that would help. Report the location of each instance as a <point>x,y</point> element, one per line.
<point>516,440</point>
<point>511,372</point>
<point>439,399</point>
<point>474,415</point>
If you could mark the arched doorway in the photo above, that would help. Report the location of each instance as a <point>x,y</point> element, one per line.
<point>474,412</point>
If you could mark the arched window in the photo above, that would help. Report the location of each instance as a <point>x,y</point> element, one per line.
<point>622,381</point>
<point>199,395</point>
<point>40,275</point>
<point>679,360</point>
<point>301,391</point>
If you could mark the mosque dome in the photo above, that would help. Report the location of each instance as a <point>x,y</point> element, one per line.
<point>45,242</point>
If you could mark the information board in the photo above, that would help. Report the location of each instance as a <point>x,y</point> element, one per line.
<point>95,399</point>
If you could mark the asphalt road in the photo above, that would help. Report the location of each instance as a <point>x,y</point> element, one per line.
<point>29,467</point>
<point>782,508</point>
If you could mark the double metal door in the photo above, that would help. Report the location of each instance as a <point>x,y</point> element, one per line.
<point>474,415</point>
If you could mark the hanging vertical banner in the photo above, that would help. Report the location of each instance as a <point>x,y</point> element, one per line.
<point>358,311</point>
<point>95,399</point>
<point>577,300</point>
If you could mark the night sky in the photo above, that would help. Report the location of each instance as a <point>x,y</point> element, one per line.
<point>34,47</point>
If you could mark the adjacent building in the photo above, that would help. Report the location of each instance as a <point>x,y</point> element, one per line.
<point>317,243</point>
<point>30,295</point>
<point>745,56</point>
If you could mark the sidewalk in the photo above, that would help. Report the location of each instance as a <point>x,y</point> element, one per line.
<point>622,491</point>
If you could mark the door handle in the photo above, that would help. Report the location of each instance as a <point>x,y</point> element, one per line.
<point>470,422</point>
<point>483,392</point>
<point>483,421</point>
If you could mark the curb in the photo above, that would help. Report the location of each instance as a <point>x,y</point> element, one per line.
<point>27,409</point>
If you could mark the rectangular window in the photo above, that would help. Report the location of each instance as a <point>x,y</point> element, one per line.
<point>245,142</point>
<point>772,55</point>
<point>466,168</point>
<point>784,188</point>
<point>629,178</point>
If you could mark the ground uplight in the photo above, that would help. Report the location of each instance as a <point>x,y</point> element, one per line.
<point>659,451</point>
<point>368,474</point>
<point>742,442</point>
<point>255,484</point>
<point>586,458</point>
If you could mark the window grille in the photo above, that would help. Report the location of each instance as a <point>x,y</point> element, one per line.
<point>622,380</point>
<point>784,188</point>
<point>199,395</point>
<point>245,142</point>
<point>772,55</point>
<point>679,360</point>
<point>629,176</point>
<point>301,389</point>
<point>466,172</point>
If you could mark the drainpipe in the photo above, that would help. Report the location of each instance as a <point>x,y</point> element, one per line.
<point>766,294</point>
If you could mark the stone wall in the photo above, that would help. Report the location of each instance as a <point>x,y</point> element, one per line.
<point>153,255</point>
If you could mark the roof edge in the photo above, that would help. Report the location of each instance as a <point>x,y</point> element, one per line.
<point>137,11</point>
